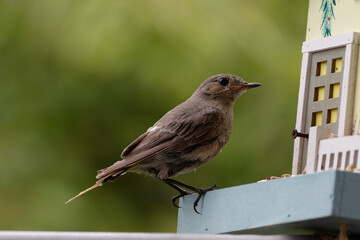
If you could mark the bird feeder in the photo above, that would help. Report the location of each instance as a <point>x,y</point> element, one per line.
<point>323,192</point>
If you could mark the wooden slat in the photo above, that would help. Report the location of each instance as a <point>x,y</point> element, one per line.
<point>343,161</point>
<point>351,159</point>
<point>330,42</point>
<point>340,146</point>
<point>336,160</point>
<point>358,159</point>
<point>327,162</point>
<point>321,163</point>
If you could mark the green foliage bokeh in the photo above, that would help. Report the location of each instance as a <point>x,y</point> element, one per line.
<point>79,80</point>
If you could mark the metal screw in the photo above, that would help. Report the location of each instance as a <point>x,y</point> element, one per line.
<point>295,134</point>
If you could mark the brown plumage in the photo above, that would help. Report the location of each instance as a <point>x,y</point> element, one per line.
<point>185,138</point>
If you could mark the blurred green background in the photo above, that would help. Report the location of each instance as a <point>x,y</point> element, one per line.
<point>79,80</point>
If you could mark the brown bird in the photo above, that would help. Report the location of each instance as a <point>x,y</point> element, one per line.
<point>185,138</point>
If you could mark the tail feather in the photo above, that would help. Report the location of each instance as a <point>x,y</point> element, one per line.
<point>97,184</point>
<point>110,177</point>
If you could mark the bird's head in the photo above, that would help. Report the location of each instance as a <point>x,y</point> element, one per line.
<point>225,87</point>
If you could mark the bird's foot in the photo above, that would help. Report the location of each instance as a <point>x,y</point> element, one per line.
<point>179,185</point>
<point>181,194</point>
<point>202,192</point>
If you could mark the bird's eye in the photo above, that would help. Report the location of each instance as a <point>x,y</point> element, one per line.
<point>224,81</point>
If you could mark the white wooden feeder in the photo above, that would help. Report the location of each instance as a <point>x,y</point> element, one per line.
<point>328,123</point>
<point>326,105</point>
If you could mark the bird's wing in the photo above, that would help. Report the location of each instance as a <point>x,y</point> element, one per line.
<point>171,133</point>
<point>133,145</point>
<point>191,125</point>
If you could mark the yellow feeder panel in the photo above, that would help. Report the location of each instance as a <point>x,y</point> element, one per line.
<point>316,118</point>
<point>321,68</point>
<point>332,115</point>
<point>334,90</point>
<point>337,65</point>
<point>319,93</point>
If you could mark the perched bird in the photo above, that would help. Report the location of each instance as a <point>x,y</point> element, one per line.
<point>185,138</point>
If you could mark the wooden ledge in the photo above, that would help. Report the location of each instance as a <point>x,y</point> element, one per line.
<point>303,204</point>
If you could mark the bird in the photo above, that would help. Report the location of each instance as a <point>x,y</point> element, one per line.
<point>185,138</point>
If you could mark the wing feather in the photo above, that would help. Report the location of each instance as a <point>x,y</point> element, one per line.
<point>174,132</point>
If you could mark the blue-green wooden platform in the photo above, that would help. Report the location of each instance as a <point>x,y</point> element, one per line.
<point>303,204</point>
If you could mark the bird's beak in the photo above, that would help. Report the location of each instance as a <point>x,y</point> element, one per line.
<point>252,85</point>
<point>246,85</point>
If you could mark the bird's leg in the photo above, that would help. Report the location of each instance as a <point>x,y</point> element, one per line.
<point>181,191</point>
<point>200,191</point>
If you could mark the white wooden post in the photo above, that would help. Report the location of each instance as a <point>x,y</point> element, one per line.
<point>301,112</point>
<point>348,90</point>
<point>315,135</point>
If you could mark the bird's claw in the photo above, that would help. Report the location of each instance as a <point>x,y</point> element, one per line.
<point>179,187</point>
<point>202,192</point>
<point>182,194</point>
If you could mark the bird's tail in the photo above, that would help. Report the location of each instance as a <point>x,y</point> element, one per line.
<point>97,184</point>
<point>100,182</point>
